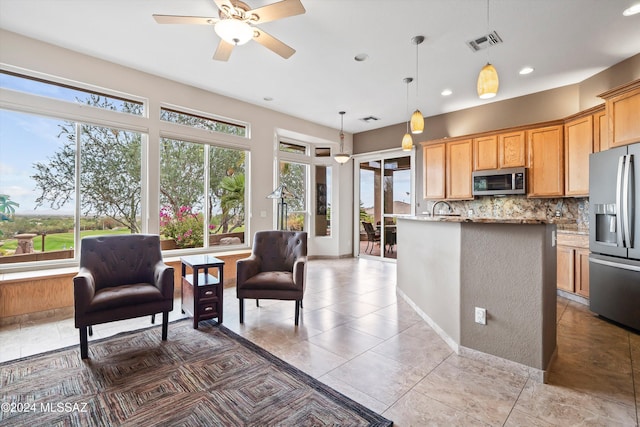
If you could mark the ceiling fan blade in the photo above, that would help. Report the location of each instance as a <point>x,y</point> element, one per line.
<point>175,19</point>
<point>224,5</point>
<point>273,43</point>
<point>281,9</point>
<point>223,52</point>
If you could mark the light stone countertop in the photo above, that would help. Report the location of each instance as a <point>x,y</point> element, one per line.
<point>451,218</point>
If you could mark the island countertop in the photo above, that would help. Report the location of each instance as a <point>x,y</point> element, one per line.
<point>457,218</point>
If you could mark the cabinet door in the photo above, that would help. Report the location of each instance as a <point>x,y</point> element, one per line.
<point>578,145</point>
<point>600,132</point>
<point>459,167</point>
<point>546,158</point>
<point>485,153</point>
<point>512,150</point>
<point>582,272</point>
<point>433,166</point>
<point>623,112</point>
<point>565,268</point>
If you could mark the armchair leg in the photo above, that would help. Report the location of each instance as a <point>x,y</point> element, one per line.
<point>241,310</point>
<point>90,331</point>
<point>153,319</point>
<point>257,303</point>
<point>298,305</point>
<point>84,343</point>
<point>165,324</point>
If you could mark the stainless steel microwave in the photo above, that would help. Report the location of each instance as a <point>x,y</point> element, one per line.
<point>500,182</point>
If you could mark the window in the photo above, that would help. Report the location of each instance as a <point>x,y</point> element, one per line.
<point>290,147</point>
<point>41,200</point>
<point>200,121</point>
<point>186,215</point>
<point>294,176</point>
<point>66,92</point>
<point>323,200</point>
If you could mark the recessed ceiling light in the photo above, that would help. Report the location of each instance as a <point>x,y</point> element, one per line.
<point>446,92</point>
<point>632,10</point>
<point>361,57</point>
<point>268,98</point>
<point>526,70</point>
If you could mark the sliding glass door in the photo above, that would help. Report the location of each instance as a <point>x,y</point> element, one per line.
<point>384,188</point>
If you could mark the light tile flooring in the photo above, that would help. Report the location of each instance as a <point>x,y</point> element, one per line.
<point>358,337</point>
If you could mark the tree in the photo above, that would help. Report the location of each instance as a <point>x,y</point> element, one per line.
<point>7,207</point>
<point>232,201</point>
<point>109,170</point>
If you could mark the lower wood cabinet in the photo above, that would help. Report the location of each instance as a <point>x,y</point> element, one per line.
<point>573,263</point>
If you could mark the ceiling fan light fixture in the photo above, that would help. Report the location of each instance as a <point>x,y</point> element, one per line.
<point>488,82</point>
<point>417,122</point>
<point>234,31</point>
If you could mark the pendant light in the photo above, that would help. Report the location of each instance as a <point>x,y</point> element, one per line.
<point>488,78</point>
<point>342,157</point>
<point>407,140</point>
<point>417,119</point>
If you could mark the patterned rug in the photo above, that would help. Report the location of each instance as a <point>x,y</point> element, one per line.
<point>200,377</point>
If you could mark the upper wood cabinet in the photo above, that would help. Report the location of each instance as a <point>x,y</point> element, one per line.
<point>485,153</point>
<point>600,131</point>
<point>546,162</point>
<point>623,114</point>
<point>504,150</point>
<point>459,160</point>
<point>512,150</point>
<point>433,167</point>
<point>578,145</point>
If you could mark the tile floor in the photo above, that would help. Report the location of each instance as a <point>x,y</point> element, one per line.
<point>358,337</point>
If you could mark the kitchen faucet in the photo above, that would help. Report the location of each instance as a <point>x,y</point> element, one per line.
<point>433,207</point>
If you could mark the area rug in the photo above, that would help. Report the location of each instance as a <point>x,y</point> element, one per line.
<point>200,377</point>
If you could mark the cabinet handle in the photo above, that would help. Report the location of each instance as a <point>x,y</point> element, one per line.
<point>208,308</point>
<point>208,293</point>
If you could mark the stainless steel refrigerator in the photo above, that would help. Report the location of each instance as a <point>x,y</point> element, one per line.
<point>614,234</point>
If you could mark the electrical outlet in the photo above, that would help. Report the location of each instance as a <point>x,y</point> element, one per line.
<point>481,316</point>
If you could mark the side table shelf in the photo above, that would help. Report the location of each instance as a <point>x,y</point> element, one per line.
<point>202,292</point>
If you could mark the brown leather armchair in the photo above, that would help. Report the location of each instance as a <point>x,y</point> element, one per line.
<point>121,277</point>
<point>276,269</point>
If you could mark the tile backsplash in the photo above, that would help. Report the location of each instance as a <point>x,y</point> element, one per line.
<point>572,209</point>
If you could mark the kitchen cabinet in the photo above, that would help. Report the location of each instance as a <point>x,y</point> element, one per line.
<point>485,153</point>
<point>459,166</point>
<point>622,106</point>
<point>578,145</point>
<point>573,263</point>
<point>600,131</point>
<point>433,171</point>
<point>504,150</point>
<point>512,150</point>
<point>546,161</point>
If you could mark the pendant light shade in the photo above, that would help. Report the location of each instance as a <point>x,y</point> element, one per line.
<point>341,157</point>
<point>417,119</point>
<point>417,122</point>
<point>407,142</point>
<point>488,82</point>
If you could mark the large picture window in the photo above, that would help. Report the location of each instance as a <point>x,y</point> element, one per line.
<point>294,176</point>
<point>188,218</point>
<point>49,201</point>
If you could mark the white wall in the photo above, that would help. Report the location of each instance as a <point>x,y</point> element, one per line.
<point>266,126</point>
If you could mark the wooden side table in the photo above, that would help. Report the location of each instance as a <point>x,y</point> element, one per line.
<point>202,292</point>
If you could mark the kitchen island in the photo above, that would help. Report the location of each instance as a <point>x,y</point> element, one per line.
<point>447,266</point>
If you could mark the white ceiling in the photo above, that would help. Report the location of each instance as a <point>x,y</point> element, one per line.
<point>565,41</point>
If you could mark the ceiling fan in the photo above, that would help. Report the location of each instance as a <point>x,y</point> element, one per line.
<point>236,22</point>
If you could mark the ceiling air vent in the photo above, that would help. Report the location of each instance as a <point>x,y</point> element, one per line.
<point>484,42</point>
<point>369,119</point>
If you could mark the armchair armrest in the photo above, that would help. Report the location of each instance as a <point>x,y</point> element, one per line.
<point>84,288</point>
<point>163,279</point>
<point>298,271</point>
<point>247,268</point>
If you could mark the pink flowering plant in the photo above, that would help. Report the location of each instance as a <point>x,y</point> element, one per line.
<point>183,226</point>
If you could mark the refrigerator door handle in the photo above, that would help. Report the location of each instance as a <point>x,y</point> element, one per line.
<point>614,264</point>
<point>626,203</point>
<point>619,230</point>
